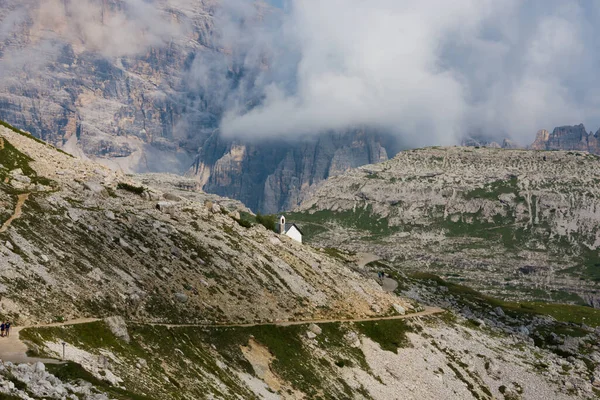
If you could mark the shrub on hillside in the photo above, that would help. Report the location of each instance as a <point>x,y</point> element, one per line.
<point>268,221</point>
<point>131,188</point>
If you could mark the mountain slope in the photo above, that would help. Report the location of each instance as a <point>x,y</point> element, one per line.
<point>86,240</point>
<point>513,222</point>
<point>178,278</point>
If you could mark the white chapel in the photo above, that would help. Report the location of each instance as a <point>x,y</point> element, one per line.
<point>290,230</point>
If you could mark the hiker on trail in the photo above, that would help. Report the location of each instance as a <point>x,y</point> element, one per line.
<point>7,328</point>
<point>2,329</point>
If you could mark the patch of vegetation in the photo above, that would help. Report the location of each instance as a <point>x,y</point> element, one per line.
<point>362,219</point>
<point>561,312</point>
<point>30,136</point>
<point>389,334</point>
<point>12,159</point>
<point>268,221</point>
<point>244,223</point>
<point>73,372</point>
<point>336,253</point>
<point>131,188</point>
<point>186,357</point>
<point>492,190</point>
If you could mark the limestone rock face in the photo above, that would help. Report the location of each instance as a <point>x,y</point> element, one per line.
<point>139,106</point>
<point>567,138</point>
<point>541,139</point>
<point>272,177</point>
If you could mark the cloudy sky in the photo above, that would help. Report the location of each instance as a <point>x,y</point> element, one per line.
<point>429,71</point>
<point>432,71</point>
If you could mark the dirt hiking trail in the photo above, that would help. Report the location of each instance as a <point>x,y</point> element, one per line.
<point>13,349</point>
<point>17,214</point>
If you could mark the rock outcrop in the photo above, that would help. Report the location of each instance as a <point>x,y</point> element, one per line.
<point>567,138</point>
<point>272,177</point>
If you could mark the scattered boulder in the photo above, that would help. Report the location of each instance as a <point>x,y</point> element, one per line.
<point>94,187</point>
<point>172,197</point>
<point>215,209</point>
<point>523,330</point>
<point>181,297</point>
<point>352,339</point>
<point>311,335</point>
<point>175,251</point>
<point>110,215</point>
<point>39,367</point>
<point>165,206</point>
<point>9,245</point>
<point>399,309</point>
<point>118,327</point>
<point>316,329</point>
<point>74,214</point>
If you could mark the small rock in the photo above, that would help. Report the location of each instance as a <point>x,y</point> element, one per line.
<point>165,206</point>
<point>110,215</point>
<point>352,339</point>
<point>44,258</point>
<point>123,243</point>
<point>181,297</point>
<point>74,214</point>
<point>316,329</point>
<point>499,311</point>
<point>176,252</point>
<point>523,331</point>
<point>94,187</point>
<point>118,327</point>
<point>9,245</point>
<point>399,309</point>
<point>40,367</point>
<point>215,208</point>
<point>311,335</point>
<point>171,197</point>
<point>141,363</point>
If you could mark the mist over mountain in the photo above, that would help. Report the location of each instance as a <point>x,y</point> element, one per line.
<point>242,94</point>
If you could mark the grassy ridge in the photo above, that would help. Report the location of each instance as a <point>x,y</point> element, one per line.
<point>561,312</point>
<point>30,136</point>
<point>183,356</point>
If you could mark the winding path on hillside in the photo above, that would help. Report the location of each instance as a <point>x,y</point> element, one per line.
<point>427,311</point>
<point>13,349</point>
<point>17,214</point>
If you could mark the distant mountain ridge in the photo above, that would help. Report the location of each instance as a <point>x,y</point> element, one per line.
<point>567,137</point>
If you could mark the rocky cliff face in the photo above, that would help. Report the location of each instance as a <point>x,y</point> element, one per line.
<point>139,105</point>
<point>271,177</point>
<point>567,138</point>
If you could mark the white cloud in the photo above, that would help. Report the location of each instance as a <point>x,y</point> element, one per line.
<point>430,71</point>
